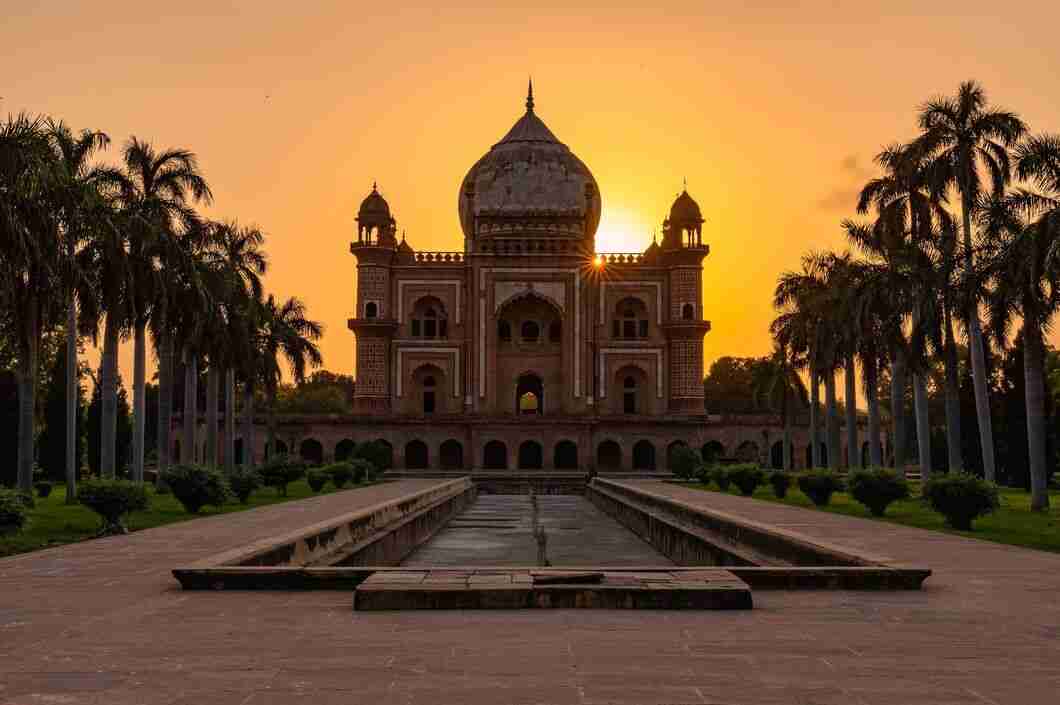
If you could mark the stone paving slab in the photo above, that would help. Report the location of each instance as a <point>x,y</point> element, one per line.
<point>105,622</point>
<point>708,588</point>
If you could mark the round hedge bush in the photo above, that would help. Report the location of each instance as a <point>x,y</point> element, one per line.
<point>721,478</point>
<point>244,481</point>
<point>961,498</point>
<point>820,485</point>
<point>316,478</point>
<point>195,486</point>
<point>781,482</point>
<point>363,470</point>
<point>280,471</point>
<point>684,462</point>
<point>112,500</point>
<point>877,488</point>
<point>339,473</point>
<point>13,514</point>
<point>747,477</point>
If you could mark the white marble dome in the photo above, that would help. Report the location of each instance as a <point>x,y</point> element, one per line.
<point>529,173</point>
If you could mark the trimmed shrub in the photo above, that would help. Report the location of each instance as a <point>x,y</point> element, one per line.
<point>703,474</point>
<point>820,485</point>
<point>316,478</point>
<point>13,514</point>
<point>747,477</point>
<point>877,488</point>
<point>195,486</point>
<point>684,462</point>
<point>43,489</point>
<point>340,473</point>
<point>375,453</point>
<point>280,471</point>
<point>961,498</point>
<point>721,478</point>
<point>112,500</point>
<point>780,481</point>
<point>363,471</point>
<point>244,481</point>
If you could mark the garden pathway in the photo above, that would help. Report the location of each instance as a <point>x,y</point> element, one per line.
<point>105,622</point>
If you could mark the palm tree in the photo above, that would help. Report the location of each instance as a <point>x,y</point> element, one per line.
<point>158,189</point>
<point>285,331</point>
<point>82,214</point>
<point>1023,265</point>
<point>964,138</point>
<point>237,252</point>
<point>30,261</point>
<point>799,296</point>
<point>885,299</point>
<point>781,385</point>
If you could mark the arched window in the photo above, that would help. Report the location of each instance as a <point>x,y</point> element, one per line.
<point>495,456</point>
<point>530,331</point>
<point>428,394</point>
<point>565,456</point>
<point>430,323</point>
<point>504,331</point>
<point>688,312</point>
<point>643,456</point>
<point>530,456</point>
<point>371,310</point>
<point>631,319</point>
<point>608,456</point>
<point>429,319</point>
<point>555,332</point>
<point>451,455</point>
<point>629,396</point>
<point>416,455</point>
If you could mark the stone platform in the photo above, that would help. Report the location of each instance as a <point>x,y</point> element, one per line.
<point>705,589</point>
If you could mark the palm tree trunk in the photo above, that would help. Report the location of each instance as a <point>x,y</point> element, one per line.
<point>270,441</point>
<point>831,420</point>
<point>71,401</point>
<point>108,449</point>
<point>975,346</point>
<point>850,395</point>
<point>785,411</point>
<point>1034,380</point>
<point>164,345</point>
<point>923,427</point>
<point>898,384</point>
<point>815,445</point>
<point>191,406</point>
<point>872,399</point>
<point>953,400</point>
<point>230,419</point>
<point>248,425</point>
<point>139,400</point>
<point>213,392</point>
<point>27,395</point>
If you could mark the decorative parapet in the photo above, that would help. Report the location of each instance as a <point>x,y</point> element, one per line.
<point>440,257</point>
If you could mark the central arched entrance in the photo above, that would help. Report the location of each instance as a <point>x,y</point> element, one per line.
<point>529,395</point>
<point>531,456</point>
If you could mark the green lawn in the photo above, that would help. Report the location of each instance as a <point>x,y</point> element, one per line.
<point>1013,524</point>
<point>53,522</point>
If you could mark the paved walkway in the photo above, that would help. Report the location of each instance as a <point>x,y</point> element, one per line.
<point>104,622</point>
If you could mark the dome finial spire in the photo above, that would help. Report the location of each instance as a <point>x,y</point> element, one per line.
<point>530,95</point>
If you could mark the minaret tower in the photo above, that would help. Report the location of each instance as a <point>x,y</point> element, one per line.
<point>375,324</point>
<point>682,253</point>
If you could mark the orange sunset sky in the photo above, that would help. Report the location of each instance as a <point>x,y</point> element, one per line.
<point>772,111</point>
